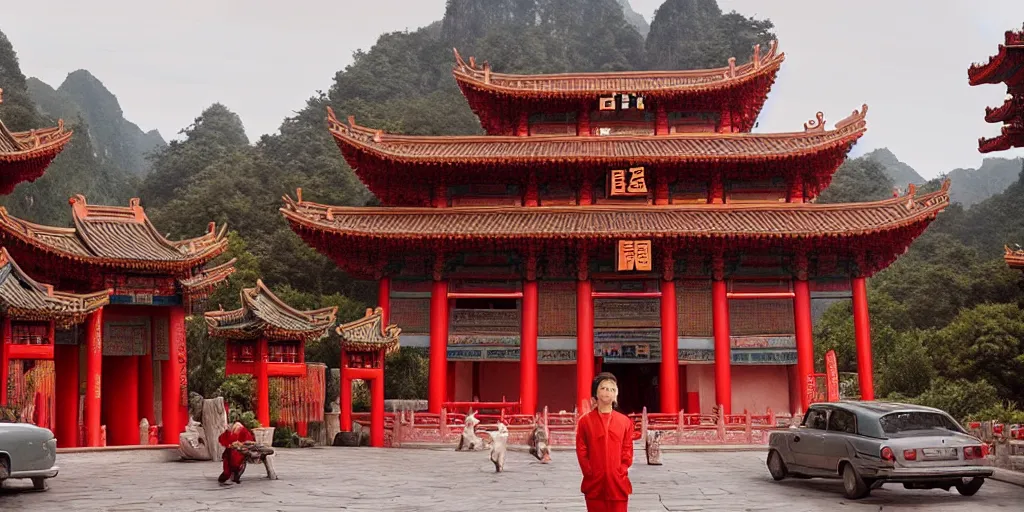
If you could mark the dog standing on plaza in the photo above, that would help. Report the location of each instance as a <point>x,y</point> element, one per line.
<point>499,445</point>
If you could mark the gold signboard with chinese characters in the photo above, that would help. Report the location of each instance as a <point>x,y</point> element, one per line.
<point>622,101</point>
<point>633,255</point>
<point>631,182</point>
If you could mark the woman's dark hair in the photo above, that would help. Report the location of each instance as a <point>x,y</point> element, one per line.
<point>598,379</point>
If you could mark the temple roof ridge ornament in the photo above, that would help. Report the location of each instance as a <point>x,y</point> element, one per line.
<point>24,298</point>
<point>264,314</point>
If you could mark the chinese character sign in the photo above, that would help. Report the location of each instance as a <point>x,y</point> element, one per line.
<point>622,101</point>
<point>633,255</point>
<point>627,183</point>
<point>832,376</point>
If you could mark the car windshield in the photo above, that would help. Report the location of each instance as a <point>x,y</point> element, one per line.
<point>904,422</point>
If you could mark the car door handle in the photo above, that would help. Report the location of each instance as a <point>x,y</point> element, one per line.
<point>796,439</point>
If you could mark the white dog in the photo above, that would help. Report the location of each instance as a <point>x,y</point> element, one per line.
<point>499,444</point>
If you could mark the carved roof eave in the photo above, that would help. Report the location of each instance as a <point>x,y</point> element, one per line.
<point>318,221</point>
<point>702,81</point>
<point>62,307</point>
<point>369,332</point>
<point>34,144</point>
<point>1010,137</point>
<point>197,251</point>
<point>1011,52</point>
<point>381,146</point>
<point>249,322</point>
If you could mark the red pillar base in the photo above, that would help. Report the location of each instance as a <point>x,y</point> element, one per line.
<point>377,411</point>
<point>66,402</point>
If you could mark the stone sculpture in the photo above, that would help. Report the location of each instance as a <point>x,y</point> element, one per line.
<point>653,447</point>
<point>144,431</point>
<point>192,442</point>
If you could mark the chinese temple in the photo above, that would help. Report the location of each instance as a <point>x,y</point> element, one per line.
<point>627,222</point>
<point>30,313</point>
<point>24,156</point>
<point>154,283</point>
<point>1005,67</point>
<point>267,338</point>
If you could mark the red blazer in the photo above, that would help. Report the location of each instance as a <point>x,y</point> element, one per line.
<point>605,456</point>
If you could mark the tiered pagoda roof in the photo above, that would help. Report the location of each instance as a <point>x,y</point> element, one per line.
<point>386,162</point>
<point>263,314</point>
<point>24,298</point>
<point>492,95</point>
<point>116,240</point>
<point>351,235</point>
<point>24,156</point>
<point>1006,67</point>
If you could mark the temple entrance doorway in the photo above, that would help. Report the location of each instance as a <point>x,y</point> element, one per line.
<point>638,386</point>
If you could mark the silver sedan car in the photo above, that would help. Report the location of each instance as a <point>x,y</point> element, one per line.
<point>27,451</point>
<point>867,444</point>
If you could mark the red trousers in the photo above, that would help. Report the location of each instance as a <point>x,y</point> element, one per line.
<point>607,505</point>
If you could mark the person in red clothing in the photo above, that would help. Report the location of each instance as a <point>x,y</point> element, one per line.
<point>604,447</point>
<point>233,440</point>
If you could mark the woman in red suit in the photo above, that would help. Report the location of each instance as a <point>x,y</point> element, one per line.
<point>604,447</point>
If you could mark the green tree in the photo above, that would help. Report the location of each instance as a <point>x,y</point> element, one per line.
<point>694,34</point>
<point>983,342</point>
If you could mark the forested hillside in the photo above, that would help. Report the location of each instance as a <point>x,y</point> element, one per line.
<point>946,319</point>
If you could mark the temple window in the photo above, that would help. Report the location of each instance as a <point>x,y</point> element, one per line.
<point>283,352</point>
<point>772,190</point>
<point>693,122</point>
<point>553,123</point>
<point>30,333</point>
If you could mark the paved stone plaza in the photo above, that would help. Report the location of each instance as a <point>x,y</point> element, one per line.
<point>432,480</point>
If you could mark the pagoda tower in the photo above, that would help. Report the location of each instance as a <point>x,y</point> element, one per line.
<point>627,222</point>
<point>1005,67</point>
<point>24,156</point>
<point>139,337</point>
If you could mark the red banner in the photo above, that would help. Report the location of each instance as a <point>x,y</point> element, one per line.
<point>832,376</point>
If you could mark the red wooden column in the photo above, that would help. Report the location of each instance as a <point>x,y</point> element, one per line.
<point>437,379</point>
<point>583,120</point>
<point>5,363</point>
<point>146,392</point>
<point>345,394</point>
<point>263,383</point>
<point>584,332</point>
<point>93,376</point>
<point>528,346</point>
<point>523,126</point>
<point>660,119</point>
<point>668,380</point>
<point>862,334</point>
<point>802,324</point>
<point>377,410</point>
<point>65,362</point>
<point>173,378</point>
<point>384,299</point>
<point>723,350</point>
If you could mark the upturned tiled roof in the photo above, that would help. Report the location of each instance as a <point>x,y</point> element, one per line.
<point>370,333</point>
<point>677,148</point>
<point>1014,258</point>
<point>24,156</point>
<point>771,220</point>
<point>115,237</point>
<point>592,85</point>
<point>23,298</point>
<point>263,314</point>
<point>1004,66</point>
<point>744,87</point>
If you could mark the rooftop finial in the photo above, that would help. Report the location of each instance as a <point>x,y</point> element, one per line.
<point>817,124</point>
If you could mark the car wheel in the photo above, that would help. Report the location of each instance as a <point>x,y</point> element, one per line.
<point>854,487</point>
<point>776,467</point>
<point>5,469</point>
<point>39,483</point>
<point>969,486</point>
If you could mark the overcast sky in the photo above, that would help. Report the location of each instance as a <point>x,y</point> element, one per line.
<point>167,61</point>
